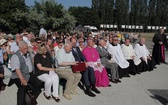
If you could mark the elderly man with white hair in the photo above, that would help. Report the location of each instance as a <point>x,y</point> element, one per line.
<point>105,58</point>
<point>22,73</point>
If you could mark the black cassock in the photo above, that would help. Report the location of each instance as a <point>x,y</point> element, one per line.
<point>158,50</point>
<point>135,68</point>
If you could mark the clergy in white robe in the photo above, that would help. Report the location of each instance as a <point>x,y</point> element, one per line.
<point>115,50</point>
<point>135,65</point>
<point>142,52</point>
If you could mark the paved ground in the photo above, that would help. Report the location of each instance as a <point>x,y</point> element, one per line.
<point>148,88</point>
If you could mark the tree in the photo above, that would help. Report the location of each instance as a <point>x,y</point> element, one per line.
<point>56,17</point>
<point>8,8</point>
<point>161,11</point>
<point>16,16</point>
<point>143,12</point>
<point>104,9</point>
<point>151,13</point>
<point>109,12</point>
<point>30,20</point>
<point>84,16</point>
<point>121,11</point>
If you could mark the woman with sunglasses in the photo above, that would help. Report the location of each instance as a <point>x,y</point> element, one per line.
<point>46,73</point>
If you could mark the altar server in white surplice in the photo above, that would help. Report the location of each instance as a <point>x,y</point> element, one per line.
<point>115,49</point>
<point>142,52</point>
<point>135,65</point>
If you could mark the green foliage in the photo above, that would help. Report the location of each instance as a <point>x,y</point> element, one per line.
<point>8,9</point>
<point>134,12</point>
<point>121,13</point>
<point>16,16</point>
<point>56,17</point>
<point>84,15</point>
<point>104,9</point>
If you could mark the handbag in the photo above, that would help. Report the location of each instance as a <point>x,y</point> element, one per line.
<point>79,67</point>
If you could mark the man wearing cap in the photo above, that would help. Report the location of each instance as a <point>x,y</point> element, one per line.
<point>4,70</point>
<point>10,38</point>
<point>2,36</point>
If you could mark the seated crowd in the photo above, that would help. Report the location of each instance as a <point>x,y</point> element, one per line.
<point>42,61</point>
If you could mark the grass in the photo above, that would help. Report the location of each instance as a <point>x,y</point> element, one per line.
<point>147,36</point>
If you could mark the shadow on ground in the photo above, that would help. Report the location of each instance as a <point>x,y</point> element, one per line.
<point>160,95</point>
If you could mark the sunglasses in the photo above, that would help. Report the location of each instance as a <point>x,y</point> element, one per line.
<point>115,39</point>
<point>42,45</point>
<point>39,42</point>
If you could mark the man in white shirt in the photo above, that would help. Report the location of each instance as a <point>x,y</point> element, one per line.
<point>129,54</point>
<point>14,45</point>
<point>142,52</point>
<point>65,60</point>
<point>58,47</point>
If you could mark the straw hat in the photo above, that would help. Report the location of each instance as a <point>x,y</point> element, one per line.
<point>2,41</point>
<point>10,36</point>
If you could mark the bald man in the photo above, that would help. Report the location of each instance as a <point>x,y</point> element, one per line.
<point>142,52</point>
<point>158,53</point>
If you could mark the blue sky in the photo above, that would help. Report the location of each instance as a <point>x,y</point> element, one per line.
<point>66,3</point>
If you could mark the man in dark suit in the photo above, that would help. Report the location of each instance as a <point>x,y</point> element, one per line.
<point>88,76</point>
<point>106,60</point>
